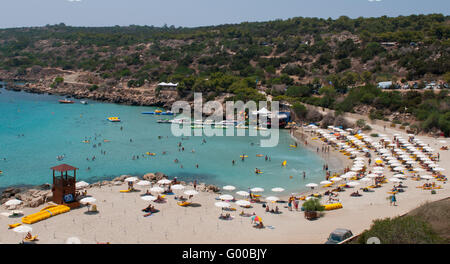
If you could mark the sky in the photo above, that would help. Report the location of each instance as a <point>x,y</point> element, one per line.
<point>193,13</point>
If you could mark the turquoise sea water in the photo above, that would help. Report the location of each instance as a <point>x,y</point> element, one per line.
<point>50,129</point>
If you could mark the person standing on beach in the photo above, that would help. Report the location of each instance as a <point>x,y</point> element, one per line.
<point>295,204</point>
<point>393,200</point>
<point>195,184</point>
<point>290,204</point>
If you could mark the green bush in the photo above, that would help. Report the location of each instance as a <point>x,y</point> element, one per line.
<point>374,135</point>
<point>93,87</point>
<point>367,128</point>
<point>313,205</point>
<point>300,110</point>
<point>401,230</point>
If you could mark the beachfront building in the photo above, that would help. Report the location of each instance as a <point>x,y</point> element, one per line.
<point>385,85</point>
<point>283,117</point>
<point>168,86</point>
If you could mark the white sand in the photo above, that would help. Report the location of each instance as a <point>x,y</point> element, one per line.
<point>121,221</point>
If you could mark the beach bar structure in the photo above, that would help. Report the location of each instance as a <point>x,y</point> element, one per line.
<point>64,188</point>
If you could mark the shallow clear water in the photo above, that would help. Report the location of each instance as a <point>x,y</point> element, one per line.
<point>50,129</point>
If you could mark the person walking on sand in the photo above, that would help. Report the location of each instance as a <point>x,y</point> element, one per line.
<point>195,184</point>
<point>393,200</point>
<point>290,204</point>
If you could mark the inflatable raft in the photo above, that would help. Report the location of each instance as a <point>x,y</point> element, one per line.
<point>45,213</point>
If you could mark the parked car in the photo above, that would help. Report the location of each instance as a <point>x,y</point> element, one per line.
<point>339,235</point>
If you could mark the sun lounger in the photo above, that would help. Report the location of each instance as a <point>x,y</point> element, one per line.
<point>14,225</point>
<point>184,203</point>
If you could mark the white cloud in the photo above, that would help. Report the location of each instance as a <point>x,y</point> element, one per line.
<point>74,1</point>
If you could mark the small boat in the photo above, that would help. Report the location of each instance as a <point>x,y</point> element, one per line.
<point>84,102</point>
<point>158,112</point>
<point>180,121</point>
<point>163,121</point>
<point>113,119</point>
<point>66,101</point>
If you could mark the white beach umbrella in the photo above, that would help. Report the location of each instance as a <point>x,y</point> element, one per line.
<point>73,240</point>
<point>365,180</point>
<point>88,200</point>
<point>438,169</point>
<point>394,180</point>
<point>353,183</point>
<point>325,182</point>
<point>243,203</point>
<point>164,181</point>
<point>277,189</point>
<point>419,170</point>
<point>222,204</point>
<point>310,197</point>
<point>359,158</point>
<point>427,177</point>
<point>242,193</point>
<point>311,185</point>
<point>148,198</point>
<point>131,179</point>
<point>372,175</point>
<point>336,179</point>
<point>229,188</point>
<point>81,184</point>
<point>347,176</point>
<point>399,168</point>
<point>13,202</point>
<point>399,175</point>
<point>191,192</point>
<point>226,197</point>
<point>143,183</point>
<point>272,198</point>
<point>23,229</point>
<point>157,189</point>
<point>177,187</point>
<point>257,189</point>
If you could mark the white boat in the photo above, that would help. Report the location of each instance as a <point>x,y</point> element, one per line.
<point>84,102</point>
<point>228,123</point>
<point>198,122</point>
<point>180,121</point>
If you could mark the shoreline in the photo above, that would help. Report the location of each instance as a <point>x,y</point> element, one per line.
<point>121,221</point>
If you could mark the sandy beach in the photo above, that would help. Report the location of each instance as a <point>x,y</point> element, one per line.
<point>120,219</point>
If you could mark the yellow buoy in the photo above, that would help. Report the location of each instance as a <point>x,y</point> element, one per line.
<point>284,163</point>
